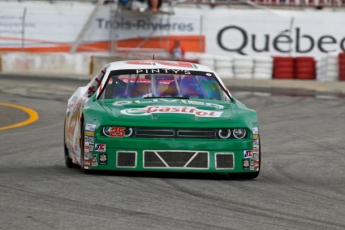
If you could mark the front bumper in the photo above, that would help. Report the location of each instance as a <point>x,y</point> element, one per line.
<point>172,155</point>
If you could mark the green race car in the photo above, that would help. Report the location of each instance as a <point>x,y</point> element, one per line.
<point>161,116</point>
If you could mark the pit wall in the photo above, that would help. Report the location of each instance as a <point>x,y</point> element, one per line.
<point>330,67</point>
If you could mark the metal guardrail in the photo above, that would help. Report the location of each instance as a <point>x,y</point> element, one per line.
<point>319,4</point>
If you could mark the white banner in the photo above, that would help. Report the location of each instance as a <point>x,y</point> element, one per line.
<point>54,27</point>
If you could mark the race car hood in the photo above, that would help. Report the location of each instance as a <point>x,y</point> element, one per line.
<point>170,110</point>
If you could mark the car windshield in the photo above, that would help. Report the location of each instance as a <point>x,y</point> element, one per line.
<point>163,86</point>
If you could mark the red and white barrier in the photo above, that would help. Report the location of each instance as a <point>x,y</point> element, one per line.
<point>243,67</point>
<point>328,68</point>
<point>331,67</point>
<point>283,67</point>
<point>305,68</point>
<point>224,67</point>
<point>207,59</point>
<point>341,63</point>
<point>263,68</point>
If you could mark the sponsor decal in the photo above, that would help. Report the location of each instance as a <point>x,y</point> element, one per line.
<point>86,163</point>
<point>171,109</point>
<point>251,165</point>
<point>89,140</point>
<point>90,134</point>
<point>256,156</point>
<point>94,160</point>
<point>120,103</point>
<point>255,136</point>
<point>100,147</point>
<point>74,99</point>
<point>177,101</point>
<point>87,155</point>
<point>165,63</point>
<point>166,71</point>
<point>248,154</point>
<point>256,143</point>
<point>103,159</point>
<point>255,150</point>
<point>90,127</point>
<point>88,148</point>
<point>117,131</point>
<point>246,164</point>
<point>255,130</point>
<point>256,165</point>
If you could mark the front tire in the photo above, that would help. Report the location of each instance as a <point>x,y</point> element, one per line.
<point>68,161</point>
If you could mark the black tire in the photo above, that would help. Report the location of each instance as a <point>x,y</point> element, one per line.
<point>68,161</point>
<point>248,175</point>
<point>85,171</point>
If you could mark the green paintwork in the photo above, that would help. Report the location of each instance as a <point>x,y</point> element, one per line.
<point>234,115</point>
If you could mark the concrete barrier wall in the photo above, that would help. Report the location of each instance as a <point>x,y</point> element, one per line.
<point>32,63</point>
<point>86,64</point>
<point>98,62</point>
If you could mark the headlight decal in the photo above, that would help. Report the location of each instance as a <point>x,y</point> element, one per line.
<point>142,132</point>
<point>224,133</point>
<point>239,133</point>
<point>115,131</point>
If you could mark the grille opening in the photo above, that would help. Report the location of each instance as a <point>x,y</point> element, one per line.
<point>176,159</point>
<point>225,161</point>
<point>126,159</point>
<point>152,160</point>
<point>196,133</point>
<point>154,133</point>
<point>199,161</point>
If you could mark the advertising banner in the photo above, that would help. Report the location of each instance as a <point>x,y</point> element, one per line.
<point>55,27</point>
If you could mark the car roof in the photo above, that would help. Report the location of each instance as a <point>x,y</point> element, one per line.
<point>159,64</point>
<point>154,64</point>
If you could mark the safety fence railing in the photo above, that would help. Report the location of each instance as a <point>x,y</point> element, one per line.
<point>318,4</point>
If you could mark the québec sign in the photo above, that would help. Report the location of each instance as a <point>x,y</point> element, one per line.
<point>285,42</point>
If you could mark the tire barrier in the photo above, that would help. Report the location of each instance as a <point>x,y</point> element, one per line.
<point>283,67</point>
<point>207,59</point>
<point>305,68</point>
<point>341,63</point>
<point>243,67</point>
<point>331,67</point>
<point>327,68</point>
<point>263,67</point>
<point>224,67</point>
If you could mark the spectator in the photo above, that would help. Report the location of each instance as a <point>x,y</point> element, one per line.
<point>177,52</point>
<point>154,5</point>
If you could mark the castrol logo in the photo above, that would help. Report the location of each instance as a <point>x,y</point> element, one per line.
<point>171,109</point>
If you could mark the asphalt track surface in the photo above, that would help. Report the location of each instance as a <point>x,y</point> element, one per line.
<point>301,185</point>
